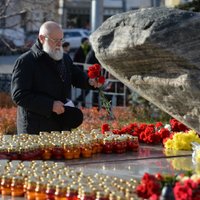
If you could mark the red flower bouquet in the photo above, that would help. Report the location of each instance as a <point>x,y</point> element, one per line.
<point>149,133</point>
<point>180,187</point>
<point>149,186</point>
<point>94,72</point>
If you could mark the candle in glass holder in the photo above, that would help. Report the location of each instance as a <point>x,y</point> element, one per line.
<point>119,146</point>
<point>86,194</point>
<point>72,192</point>
<point>6,184</point>
<point>102,195</point>
<point>47,148</point>
<point>17,186</point>
<point>57,152</point>
<point>108,145</point>
<point>68,151</point>
<point>132,143</point>
<point>30,190</point>
<point>76,150</point>
<point>60,193</point>
<point>86,150</point>
<point>50,191</point>
<point>40,190</point>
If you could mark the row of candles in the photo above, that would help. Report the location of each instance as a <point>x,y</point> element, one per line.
<point>64,145</point>
<point>41,180</point>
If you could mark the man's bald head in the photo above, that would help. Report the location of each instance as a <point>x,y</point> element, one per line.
<point>49,27</point>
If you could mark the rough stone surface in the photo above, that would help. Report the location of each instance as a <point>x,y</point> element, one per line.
<point>155,52</point>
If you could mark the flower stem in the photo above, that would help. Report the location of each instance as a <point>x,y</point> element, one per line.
<point>106,104</point>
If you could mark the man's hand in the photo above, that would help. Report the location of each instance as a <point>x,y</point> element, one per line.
<point>58,107</point>
<point>95,83</point>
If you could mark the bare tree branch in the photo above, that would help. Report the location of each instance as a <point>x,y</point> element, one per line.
<point>3,7</point>
<point>12,14</point>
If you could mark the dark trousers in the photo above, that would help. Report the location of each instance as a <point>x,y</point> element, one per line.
<point>70,119</point>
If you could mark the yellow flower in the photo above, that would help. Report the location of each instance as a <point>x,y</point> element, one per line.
<point>177,136</point>
<point>186,145</point>
<point>169,144</point>
<point>182,140</point>
<point>192,132</point>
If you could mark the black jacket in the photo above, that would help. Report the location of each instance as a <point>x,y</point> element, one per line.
<point>91,58</point>
<point>80,56</point>
<point>36,84</point>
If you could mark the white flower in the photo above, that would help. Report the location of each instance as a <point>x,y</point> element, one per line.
<point>168,126</point>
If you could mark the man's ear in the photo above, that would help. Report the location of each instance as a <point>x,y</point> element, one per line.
<point>41,38</point>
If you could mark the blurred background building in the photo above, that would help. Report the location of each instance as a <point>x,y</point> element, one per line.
<point>20,19</point>
<point>29,14</point>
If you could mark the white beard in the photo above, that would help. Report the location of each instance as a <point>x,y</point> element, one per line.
<point>56,54</point>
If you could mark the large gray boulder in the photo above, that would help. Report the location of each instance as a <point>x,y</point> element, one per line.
<point>155,52</point>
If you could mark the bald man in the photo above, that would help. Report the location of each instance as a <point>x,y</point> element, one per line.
<point>41,83</point>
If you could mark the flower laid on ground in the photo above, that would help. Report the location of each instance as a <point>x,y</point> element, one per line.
<point>176,126</point>
<point>181,140</point>
<point>180,187</point>
<point>148,133</point>
<point>94,72</point>
<point>104,128</point>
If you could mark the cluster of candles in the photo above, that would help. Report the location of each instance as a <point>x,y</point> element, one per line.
<point>64,145</point>
<point>41,180</point>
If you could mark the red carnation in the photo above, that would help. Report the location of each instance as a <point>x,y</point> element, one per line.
<point>186,190</point>
<point>101,79</point>
<point>142,127</point>
<point>97,67</point>
<point>92,74</point>
<point>164,133</point>
<point>104,128</point>
<point>94,71</point>
<point>153,138</point>
<point>178,126</point>
<point>116,131</point>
